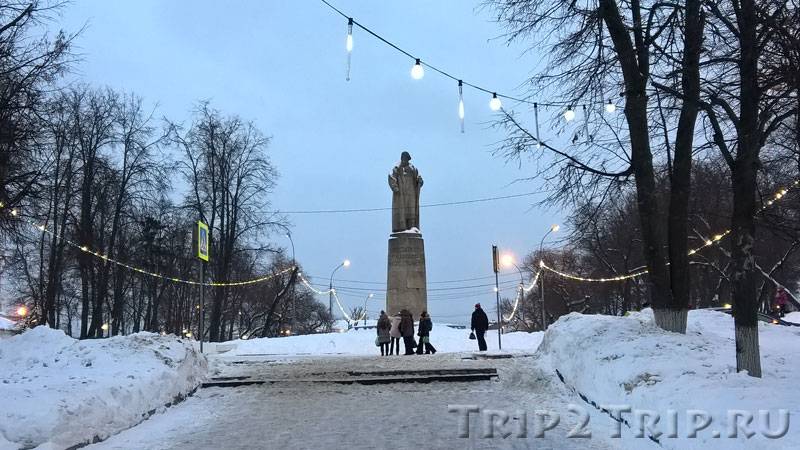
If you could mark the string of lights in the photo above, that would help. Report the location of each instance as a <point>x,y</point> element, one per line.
<point>591,280</point>
<point>107,259</point>
<point>335,297</point>
<point>520,295</point>
<point>495,102</point>
<point>777,196</point>
<point>707,243</point>
<point>454,289</point>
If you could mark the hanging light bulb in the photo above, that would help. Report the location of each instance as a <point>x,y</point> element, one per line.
<point>349,45</point>
<point>417,72</point>
<point>349,42</point>
<point>495,104</point>
<point>536,118</point>
<point>610,107</point>
<point>569,114</point>
<point>461,104</point>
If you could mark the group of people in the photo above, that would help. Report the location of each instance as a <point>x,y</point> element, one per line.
<point>401,325</point>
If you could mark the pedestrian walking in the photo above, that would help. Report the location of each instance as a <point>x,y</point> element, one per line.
<point>424,333</point>
<point>407,330</point>
<point>394,335</point>
<point>384,327</point>
<point>479,325</point>
<point>781,301</point>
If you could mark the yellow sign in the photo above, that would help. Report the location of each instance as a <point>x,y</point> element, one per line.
<point>202,241</point>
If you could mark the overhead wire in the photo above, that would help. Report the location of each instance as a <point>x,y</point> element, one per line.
<point>444,72</point>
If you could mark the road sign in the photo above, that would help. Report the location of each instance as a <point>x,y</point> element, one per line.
<point>202,241</point>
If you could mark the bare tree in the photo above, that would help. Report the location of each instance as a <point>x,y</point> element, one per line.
<point>230,177</point>
<point>30,63</point>
<point>612,46</point>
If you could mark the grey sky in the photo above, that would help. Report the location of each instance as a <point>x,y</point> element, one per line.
<point>282,64</point>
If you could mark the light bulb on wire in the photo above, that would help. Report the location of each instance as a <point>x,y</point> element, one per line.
<point>569,114</point>
<point>349,45</point>
<point>417,72</point>
<point>610,107</point>
<point>349,42</point>
<point>495,104</point>
<point>461,104</point>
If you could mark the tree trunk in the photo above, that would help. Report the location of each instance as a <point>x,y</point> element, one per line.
<point>674,318</point>
<point>744,277</point>
<point>634,63</point>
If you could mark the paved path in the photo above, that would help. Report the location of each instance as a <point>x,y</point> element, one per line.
<point>323,416</point>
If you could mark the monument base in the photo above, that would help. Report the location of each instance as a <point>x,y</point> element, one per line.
<point>406,286</point>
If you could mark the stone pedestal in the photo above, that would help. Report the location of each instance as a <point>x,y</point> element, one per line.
<point>406,282</point>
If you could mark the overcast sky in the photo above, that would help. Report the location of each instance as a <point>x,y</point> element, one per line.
<point>282,65</point>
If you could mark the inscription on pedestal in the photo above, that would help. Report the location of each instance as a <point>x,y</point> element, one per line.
<point>406,281</point>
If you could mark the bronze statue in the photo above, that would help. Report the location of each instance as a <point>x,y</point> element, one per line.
<point>405,183</point>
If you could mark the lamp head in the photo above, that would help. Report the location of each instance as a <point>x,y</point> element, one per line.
<point>507,260</point>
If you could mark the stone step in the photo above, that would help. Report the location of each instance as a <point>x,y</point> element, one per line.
<point>465,371</point>
<point>369,378</point>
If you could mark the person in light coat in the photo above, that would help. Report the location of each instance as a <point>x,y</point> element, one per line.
<point>394,335</point>
<point>384,328</point>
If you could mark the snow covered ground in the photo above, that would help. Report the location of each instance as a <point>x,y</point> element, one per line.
<point>628,361</point>
<point>362,342</point>
<point>297,414</point>
<point>57,391</point>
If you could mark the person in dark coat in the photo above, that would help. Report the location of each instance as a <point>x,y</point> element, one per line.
<point>407,330</point>
<point>384,326</point>
<point>480,323</point>
<point>424,333</point>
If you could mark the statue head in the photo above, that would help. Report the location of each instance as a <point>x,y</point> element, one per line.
<point>405,157</point>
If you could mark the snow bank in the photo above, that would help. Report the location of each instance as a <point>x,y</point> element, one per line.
<point>362,342</point>
<point>60,391</point>
<point>7,324</point>
<point>629,361</point>
<point>793,317</point>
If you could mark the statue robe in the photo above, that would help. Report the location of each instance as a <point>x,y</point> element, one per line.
<point>405,183</point>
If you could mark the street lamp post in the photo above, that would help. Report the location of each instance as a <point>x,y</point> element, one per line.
<point>553,228</point>
<point>495,266</point>
<point>345,263</point>
<point>364,311</point>
<point>508,260</point>
<point>294,268</point>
